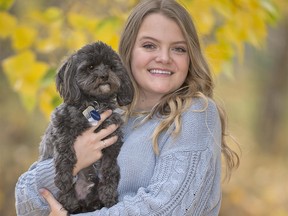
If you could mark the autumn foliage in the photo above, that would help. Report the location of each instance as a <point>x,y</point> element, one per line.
<point>41,37</point>
<point>36,35</point>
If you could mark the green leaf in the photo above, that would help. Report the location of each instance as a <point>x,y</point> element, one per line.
<point>49,77</point>
<point>6,4</point>
<point>56,101</point>
<point>272,11</point>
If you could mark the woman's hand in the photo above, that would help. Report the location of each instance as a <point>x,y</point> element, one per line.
<point>88,146</point>
<point>56,209</point>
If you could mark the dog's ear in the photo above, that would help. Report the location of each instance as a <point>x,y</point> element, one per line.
<point>126,92</point>
<point>66,82</point>
<point>60,78</point>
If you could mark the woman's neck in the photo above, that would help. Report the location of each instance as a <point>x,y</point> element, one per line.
<point>146,104</point>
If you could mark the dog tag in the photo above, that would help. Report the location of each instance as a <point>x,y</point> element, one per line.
<point>91,115</point>
<point>95,115</point>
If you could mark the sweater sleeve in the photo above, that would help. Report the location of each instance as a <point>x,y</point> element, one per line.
<point>28,200</point>
<point>187,176</point>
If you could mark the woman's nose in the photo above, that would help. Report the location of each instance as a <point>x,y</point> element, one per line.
<point>163,56</point>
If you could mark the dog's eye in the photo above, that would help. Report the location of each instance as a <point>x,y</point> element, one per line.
<point>91,67</point>
<point>112,67</point>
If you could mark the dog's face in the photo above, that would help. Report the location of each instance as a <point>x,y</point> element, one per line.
<point>95,71</point>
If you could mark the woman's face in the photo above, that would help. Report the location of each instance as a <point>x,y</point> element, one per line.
<point>160,59</point>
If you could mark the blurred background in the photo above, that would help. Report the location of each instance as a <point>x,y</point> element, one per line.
<point>246,44</point>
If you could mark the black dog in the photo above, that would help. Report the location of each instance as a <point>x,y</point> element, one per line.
<point>90,81</point>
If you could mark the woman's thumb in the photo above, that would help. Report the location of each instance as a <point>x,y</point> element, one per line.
<point>53,203</point>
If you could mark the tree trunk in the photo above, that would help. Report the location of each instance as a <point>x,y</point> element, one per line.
<point>273,105</point>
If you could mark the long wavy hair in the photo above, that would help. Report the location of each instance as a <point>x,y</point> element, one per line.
<point>198,82</point>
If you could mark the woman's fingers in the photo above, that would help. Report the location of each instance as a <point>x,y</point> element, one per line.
<point>103,117</point>
<point>108,142</point>
<point>107,131</point>
<point>56,209</point>
<point>101,135</point>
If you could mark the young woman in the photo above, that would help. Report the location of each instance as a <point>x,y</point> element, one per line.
<point>171,158</point>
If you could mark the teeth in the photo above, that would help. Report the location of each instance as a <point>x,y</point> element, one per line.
<point>154,71</point>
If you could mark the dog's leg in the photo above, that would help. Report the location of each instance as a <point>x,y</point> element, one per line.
<point>110,175</point>
<point>70,198</point>
<point>64,163</point>
<point>65,160</point>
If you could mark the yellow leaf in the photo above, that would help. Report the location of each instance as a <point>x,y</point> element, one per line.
<point>23,37</point>
<point>108,31</point>
<point>16,67</point>
<point>52,14</point>
<point>232,36</point>
<point>206,23</point>
<point>114,42</point>
<point>80,22</point>
<point>258,31</point>
<point>224,8</point>
<point>49,16</point>
<point>7,24</point>
<point>218,55</point>
<point>24,74</point>
<point>48,100</point>
<point>76,40</point>
<point>204,18</point>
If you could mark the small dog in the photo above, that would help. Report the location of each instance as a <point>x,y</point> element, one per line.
<point>90,81</point>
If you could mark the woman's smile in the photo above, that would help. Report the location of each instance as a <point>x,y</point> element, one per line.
<point>160,72</point>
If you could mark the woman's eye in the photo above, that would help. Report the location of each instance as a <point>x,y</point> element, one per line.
<point>180,49</point>
<point>149,46</point>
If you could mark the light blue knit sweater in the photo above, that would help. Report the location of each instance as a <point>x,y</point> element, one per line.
<point>184,179</point>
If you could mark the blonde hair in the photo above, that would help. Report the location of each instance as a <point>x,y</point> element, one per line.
<point>198,83</point>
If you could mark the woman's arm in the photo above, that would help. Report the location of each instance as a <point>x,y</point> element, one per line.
<point>28,200</point>
<point>187,176</point>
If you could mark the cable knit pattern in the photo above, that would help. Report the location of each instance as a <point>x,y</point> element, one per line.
<point>28,200</point>
<point>183,180</point>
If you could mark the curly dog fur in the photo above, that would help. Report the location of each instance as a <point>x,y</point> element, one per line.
<point>92,76</point>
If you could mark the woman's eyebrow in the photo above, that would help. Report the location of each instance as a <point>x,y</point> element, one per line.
<point>148,38</point>
<point>156,40</point>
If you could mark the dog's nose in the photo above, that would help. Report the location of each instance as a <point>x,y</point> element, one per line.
<point>104,75</point>
<point>102,72</point>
